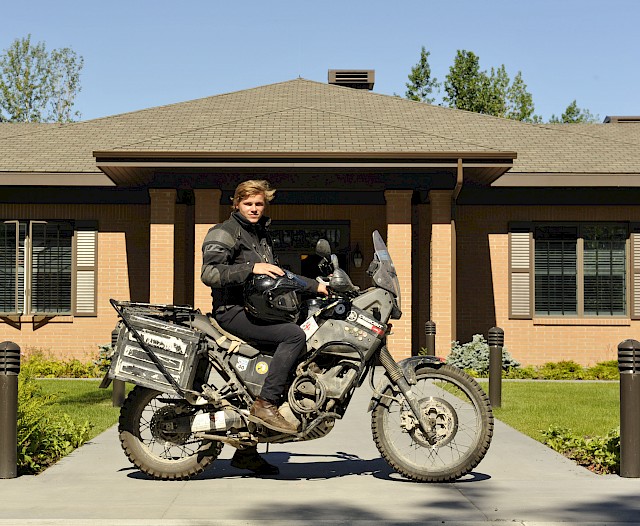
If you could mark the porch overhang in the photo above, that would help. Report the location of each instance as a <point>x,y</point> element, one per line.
<point>142,168</point>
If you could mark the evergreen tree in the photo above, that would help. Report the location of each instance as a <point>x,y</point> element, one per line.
<point>421,85</point>
<point>574,114</point>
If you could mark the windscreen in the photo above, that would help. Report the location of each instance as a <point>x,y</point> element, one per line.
<point>385,275</point>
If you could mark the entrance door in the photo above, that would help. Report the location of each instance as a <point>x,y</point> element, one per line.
<point>294,243</point>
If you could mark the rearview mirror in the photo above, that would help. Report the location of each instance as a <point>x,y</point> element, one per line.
<point>323,249</point>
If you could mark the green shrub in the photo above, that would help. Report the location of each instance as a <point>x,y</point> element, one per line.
<point>522,373</point>
<point>105,354</point>
<point>599,454</point>
<point>43,437</point>
<point>603,371</point>
<point>563,370</point>
<point>473,356</point>
<point>40,364</point>
<point>566,370</point>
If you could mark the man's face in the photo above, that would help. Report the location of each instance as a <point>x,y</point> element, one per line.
<point>252,207</point>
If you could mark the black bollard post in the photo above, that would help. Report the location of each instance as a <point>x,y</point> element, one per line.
<point>430,333</point>
<point>9,370</point>
<point>496,342</point>
<point>629,366</point>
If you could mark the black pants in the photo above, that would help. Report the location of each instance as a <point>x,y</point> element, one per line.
<point>289,338</point>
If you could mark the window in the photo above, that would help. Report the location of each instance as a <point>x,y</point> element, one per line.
<point>574,270</point>
<point>556,270</point>
<point>47,268</point>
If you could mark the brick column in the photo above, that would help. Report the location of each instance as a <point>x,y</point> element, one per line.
<point>399,235</point>
<point>207,214</point>
<point>443,270</point>
<point>161,245</point>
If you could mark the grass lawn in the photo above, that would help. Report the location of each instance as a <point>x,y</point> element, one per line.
<point>83,401</point>
<point>586,408</point>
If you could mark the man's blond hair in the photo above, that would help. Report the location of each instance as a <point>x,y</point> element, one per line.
<point>251,188</point>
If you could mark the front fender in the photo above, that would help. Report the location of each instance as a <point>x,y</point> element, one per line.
<point>408,367</point>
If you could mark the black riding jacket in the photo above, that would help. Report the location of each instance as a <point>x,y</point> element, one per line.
<point>229,252</point>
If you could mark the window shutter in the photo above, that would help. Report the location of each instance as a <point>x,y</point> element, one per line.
<point>520,272</point>
<point>86,270</point>
<point>634,236</point>
<point>11,279</point>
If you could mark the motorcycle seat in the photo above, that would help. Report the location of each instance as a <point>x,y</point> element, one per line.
<point>226,340</point>
<point>210,326</point>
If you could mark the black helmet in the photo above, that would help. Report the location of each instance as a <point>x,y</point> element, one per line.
<point>273,299</point>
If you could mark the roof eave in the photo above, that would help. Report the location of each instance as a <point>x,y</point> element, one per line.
<point>135,167</point>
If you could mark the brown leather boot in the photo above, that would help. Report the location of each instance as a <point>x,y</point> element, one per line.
<point>268,414</point>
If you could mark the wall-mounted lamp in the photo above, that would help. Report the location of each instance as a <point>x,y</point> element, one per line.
<point>357,257</point>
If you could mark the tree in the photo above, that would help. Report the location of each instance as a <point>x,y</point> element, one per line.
<point>573,114</point>
<point>465,83</point>
<point>421,84</point>
<point>493,92</point>
<point>520,102</point>
<point>469,88</point>
<point>37,86</point>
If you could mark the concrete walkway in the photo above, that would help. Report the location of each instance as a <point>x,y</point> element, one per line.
<point>339,479</point>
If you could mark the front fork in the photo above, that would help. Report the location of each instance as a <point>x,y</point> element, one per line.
<point>398,378</point>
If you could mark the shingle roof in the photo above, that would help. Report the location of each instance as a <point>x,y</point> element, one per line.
<point>307,116</point>
<point>14,129</point>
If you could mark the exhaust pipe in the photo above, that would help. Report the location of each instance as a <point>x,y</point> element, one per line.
<point>218,421</point>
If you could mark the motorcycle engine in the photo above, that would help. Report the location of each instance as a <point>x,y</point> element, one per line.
<point>322,386</point>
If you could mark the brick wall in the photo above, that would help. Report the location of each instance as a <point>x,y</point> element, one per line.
<point>483,295</point>
<point>207,213</point>
<point>161,245</point>
<point>443,279</point>
<point>399,243</point>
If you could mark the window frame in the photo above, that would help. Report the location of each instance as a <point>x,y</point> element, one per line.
<point>631,274</point>
<point>78,307</point>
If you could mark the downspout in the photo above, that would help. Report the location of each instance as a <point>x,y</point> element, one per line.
<point>459,181</point>
<point>457,189</point>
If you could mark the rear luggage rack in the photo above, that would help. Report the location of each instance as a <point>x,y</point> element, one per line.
<point>153,349</point>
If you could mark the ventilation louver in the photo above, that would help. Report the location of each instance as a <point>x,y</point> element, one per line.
<point>352,78</point>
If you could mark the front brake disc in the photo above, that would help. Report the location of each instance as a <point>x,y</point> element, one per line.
<point>442,419</point>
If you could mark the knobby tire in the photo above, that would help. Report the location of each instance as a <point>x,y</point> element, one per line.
<point>157,457</point>
<point>466,447</point>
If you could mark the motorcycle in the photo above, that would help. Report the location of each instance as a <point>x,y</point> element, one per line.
<point>194,383</point>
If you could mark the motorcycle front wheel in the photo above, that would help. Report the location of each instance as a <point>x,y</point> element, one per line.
<point>151,446</point>
<point>461,426</point>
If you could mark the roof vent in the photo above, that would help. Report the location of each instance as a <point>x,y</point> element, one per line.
<point>352,78</point>
<point>620,119</point>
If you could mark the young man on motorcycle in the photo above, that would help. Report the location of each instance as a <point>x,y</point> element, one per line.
<point>233,252</point>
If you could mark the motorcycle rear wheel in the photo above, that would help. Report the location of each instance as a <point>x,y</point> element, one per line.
<point>463,427</point>
<point>160,454</point>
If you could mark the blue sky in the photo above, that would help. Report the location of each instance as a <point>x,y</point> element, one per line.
<point>143,53</point>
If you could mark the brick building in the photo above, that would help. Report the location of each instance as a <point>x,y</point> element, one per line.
<point>533,228</point>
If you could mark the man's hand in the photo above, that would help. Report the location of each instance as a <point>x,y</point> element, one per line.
<point>322,289</point>
<point>267,269</point>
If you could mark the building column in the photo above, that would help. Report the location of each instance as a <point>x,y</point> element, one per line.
<point>207,214</point>
<point>399,236</point>
<point>443,270</point>
<point>161,245</point>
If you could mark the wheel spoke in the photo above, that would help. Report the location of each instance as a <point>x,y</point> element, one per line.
<point>460,412</point>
